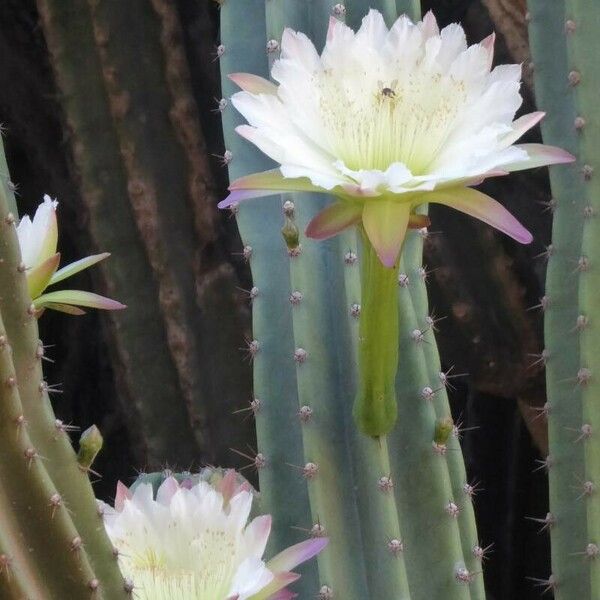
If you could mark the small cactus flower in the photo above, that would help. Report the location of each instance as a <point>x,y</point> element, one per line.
<point>38,239</point>
<point>386,120</point>
<point>193,540</point>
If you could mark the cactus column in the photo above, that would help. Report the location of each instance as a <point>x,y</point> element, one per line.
<point>307,309</point>
<point>557,75</point>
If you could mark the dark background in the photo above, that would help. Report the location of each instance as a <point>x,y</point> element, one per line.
<point>488,331</point>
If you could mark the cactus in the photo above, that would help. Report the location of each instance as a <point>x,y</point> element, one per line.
<point>371,496</point>
<point>570,105</point>
<point>39,467</point>
<point>146,190</point>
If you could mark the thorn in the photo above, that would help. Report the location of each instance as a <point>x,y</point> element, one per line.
<point>300,355</point>
<point>546,254</point>
<point>325,593</point>
<point>574,78</point>
<point>543,304</point>
<point>579,123</point>
<point>541,358</point>
<point>544,464</point>
<point>385,484</point>
<point>542,411</point>
<point>289,209</point>
<point>403,280</point>
<point>463,575</point>
<point>588,212</point>
<point>63,427</point>
<point>253,408</point>
<point>446,376</point>
<point>44,388</point>
<point>55,503</point>
<point>93,584</point>
<point>439,449</point>
<point>128,587</point>
<point>583,265</point>
<point>76,544</point>
<point>252,349</point>
<point>251,294</point>
<point>587,171</point>
<point>458,430</point>
<point>221,105</point>
<point>355,310</point>
<point>547,522</point>
<point>272,46</point>
<point>30,454</point>
<point>549,205</point>
<point>591,551</point>
<point>472,489</point>
<point>296,297</point>
<point>305,414</point>
<point>339,10</point>
<point>395,546</point>
<point>570,26</point>
<point>5,564</point>
<point>310,470</point>
<point>432,320</point>
<point>424,272</point>
<point>452,509</point>
<point>350,258</point>
<point>547,584</point>
<point>481,553</point>
<point>417,336</point>
<point>295,252</point>
<point>224,158</point>
<point>258,461</point>
<point>581,323</point>
<point>583,376</point>
<point>587,488</point>
<point>585,432</point>
<point>427,393</point>
<point>218,52</point>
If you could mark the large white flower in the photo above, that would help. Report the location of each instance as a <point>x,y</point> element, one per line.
<point>386,120</point>
<point>38,241</point>
<point>193,542</point>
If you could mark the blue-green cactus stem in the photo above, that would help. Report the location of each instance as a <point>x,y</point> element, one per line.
<point>429,511</point>
<point>548,34</point>
<point>581,28</point>
<point>284,494</point>
<point>375,408</point>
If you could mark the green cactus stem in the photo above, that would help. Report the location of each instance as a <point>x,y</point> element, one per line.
<point>555,94</point>
<point>48,436</point>
<point>375,408</point>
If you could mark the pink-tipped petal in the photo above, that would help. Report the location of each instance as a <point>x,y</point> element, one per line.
<point>284,594</point>
<point>429,26</point>
<point>123,494</point>
<point>257,534</point>
<point>168,488</point>
<point>294,555</point>
<point>522,125</point>
<point>40,277</point>
<point>64,308</point>
<point>253,83</point>
<point>386,222</point>
<point>488,43</point>
<point>333,219</point>
<point>78,298</point>
<point>333,24</point>
<point>279,582</point>
<point>482,207</point>
<point>540,155</point>
<point>266,183</point>
<point>227,486</point>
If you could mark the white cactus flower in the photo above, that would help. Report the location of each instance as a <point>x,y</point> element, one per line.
<point>38,237</point>
<point>386,120</point>
<point>195,543</point>
<point>38,240</point>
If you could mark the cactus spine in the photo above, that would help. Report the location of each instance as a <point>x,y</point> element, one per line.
<point>56,489</point>
<point>567,304</point>
<point>369,500</point>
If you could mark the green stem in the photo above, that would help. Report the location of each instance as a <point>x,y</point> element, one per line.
<point>375,407</point>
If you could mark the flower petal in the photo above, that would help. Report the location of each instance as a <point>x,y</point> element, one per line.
<point>64,308</point>
<point>253,83</point>
<point>333,219</point>
<point>297,554</point>
<point>521,125</point>
<point>40,277</point>
<point>540,155</point>
<point>78,298</point>
<point>123,494</point>
<point>77,266</point>
<point>386,222</point>
<point>277,585</point>
<point>482,207</point>
<point>262,184</point>
<point>256,535</point>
